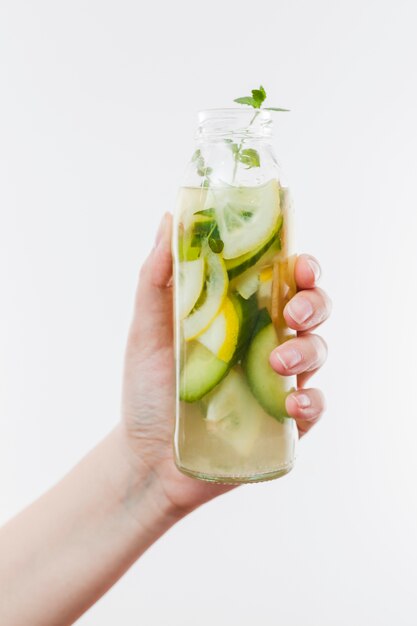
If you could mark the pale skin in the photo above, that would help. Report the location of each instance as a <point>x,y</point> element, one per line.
<point>63,552</point>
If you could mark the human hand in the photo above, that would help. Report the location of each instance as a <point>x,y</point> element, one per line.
<point>148,391</point>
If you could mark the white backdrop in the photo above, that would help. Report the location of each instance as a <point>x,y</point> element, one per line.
<point>98,108</point>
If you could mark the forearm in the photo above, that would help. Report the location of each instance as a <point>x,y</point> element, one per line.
<point>62,553</point>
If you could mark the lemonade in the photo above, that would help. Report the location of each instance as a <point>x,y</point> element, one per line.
<point>233,277</point>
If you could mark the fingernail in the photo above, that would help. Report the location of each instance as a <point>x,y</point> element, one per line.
<point>315,268</point>
<point>303,400</point>
<point>161,230</point>
<point>288,357</point>
<point>300,309</point>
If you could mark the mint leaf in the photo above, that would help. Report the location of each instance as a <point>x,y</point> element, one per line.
<point>257,99</point>
<point>249,157</point>
<point>202,169</point>
<point>216,245</point>
<point>247,100</point>
<point>259,96</point>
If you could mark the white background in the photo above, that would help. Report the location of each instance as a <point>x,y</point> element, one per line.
<point>98,105</point>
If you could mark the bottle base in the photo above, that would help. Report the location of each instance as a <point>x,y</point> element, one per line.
<point>237,479</point>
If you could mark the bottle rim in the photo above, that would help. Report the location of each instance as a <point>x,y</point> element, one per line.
<point>234,122</point>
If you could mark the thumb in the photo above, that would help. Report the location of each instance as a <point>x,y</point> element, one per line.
<point>152,319</point>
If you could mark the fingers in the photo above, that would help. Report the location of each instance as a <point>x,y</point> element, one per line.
<point>306,407</point>
<point>297,356</point>
<point>307,309</point>
<point>307,271</point>
<point>305,354</point>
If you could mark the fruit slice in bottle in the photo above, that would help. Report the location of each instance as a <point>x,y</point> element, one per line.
<point>222,334</point>
<point>191,281</point>
<point>240,264</point>
<point>215,288</point>
<point>266,385</point>
<point>233,414</point>
<point>247,217</point>
<point>200,373</point>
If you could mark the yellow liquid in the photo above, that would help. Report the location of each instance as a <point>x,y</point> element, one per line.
<point>237,440</point>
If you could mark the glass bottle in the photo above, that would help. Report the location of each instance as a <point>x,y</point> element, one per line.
<point>233,275</point>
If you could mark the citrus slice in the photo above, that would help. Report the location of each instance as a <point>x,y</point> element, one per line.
<point>222,334</point>
<point>247,216</point>
<point>214,292</point>
<point>191,281</point>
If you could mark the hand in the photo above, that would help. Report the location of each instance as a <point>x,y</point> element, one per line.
<point>148,393</point>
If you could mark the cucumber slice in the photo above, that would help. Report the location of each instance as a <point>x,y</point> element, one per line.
<point>222,334</point>
<point>200,373</point>
<point>233,415</point>
<point>190,201</point>
<point>202,370</point>
<point>216,284</point>
<point>267,386</point>
<point>247,284</point>
<point>241,263</point>
<point>191,281</point>
<point>247,217</point>
<point>247,311</point>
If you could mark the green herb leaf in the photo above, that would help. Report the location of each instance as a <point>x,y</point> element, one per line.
<point>206,212</point>
<point>259,96</point>
<point>249,157</point>
<point>247,100</point>
<point>257,99</point>
<point>216,245</point>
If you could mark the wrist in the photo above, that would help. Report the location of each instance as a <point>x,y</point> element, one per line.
<point>137,488</point>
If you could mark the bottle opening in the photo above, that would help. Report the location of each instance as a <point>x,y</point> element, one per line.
<point>242,122</point>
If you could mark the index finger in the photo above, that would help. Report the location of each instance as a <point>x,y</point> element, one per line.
<point>307,271</point>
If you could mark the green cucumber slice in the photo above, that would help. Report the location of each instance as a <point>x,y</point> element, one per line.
<point>241,263</point>
<point>267,386</point>
<point>201,372</point>
<point>246,216</point>
<point>191,281</point>
<point>247,311</point>
<point>216,283</point>
<point>233,415</point>
<point>247,283</point>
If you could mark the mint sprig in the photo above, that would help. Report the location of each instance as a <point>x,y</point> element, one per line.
<point>202,169</point>
<point>256,100</point>
<point>250,157</point>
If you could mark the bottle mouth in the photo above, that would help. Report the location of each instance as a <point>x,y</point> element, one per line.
<point>234,122</point>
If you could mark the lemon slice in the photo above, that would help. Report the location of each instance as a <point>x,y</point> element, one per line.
<point>191,281</point>
<point>222,334</point>
<point>212,297</point>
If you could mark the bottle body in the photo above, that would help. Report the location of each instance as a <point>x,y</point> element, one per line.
<point>233,275</point>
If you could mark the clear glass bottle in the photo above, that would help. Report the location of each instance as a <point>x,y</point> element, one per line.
<point>233,275</point>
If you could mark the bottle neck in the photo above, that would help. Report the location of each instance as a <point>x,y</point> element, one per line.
<point>234,125</point>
